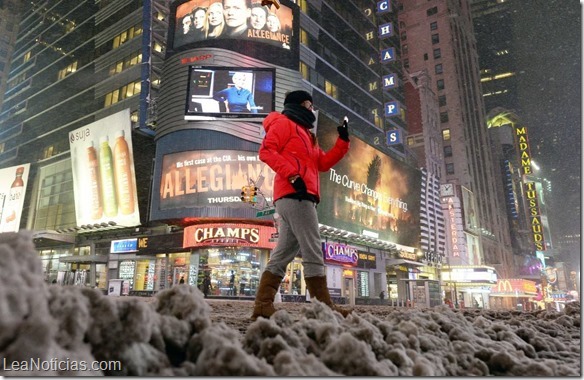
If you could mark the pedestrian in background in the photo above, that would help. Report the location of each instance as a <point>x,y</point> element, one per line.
<point>292,151</point>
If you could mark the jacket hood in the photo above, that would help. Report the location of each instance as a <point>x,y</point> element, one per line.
<point>273,117</point>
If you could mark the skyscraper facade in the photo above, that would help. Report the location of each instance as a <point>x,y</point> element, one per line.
<point>437,37</point>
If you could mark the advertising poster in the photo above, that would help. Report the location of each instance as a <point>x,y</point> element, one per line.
<point>368,190</point>
<point>104,180</point>
<point>200,20</point>
<point>13,182</point>
<point>214,177</point>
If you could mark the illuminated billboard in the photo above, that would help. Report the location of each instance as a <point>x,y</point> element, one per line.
<point>104,180</point>
<point>199,20</point>
<point>210,178</point>
<point>244,26</point>
<point>367,191</point>
<point>214,93</point>
<point>13,181</point>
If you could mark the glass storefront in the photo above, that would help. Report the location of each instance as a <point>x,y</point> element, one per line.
<point>234,271</point>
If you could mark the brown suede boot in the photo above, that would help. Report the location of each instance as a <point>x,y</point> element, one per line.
<point>318,289</point>
<point>264,301</point>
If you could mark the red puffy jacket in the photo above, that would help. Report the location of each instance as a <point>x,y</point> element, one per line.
<point>287,149</point>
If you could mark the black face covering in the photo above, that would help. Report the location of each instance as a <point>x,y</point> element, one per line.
<point>299,114</point>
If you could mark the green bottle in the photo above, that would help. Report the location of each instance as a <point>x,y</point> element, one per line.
<point>106,172</point>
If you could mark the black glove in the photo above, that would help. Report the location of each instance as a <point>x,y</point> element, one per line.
<point>299,185</point>
<point>343,131</point>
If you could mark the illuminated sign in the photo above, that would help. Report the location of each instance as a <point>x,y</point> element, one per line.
<point>124,246</point>
<point>391,109</point>
<point>393,137</point>
<point>457,240</point>
<point>514,286</point>
<point>388,55</point>
<point>13,182</point>
<point>340,253</point>
<point>383,6</point>
<point>534,216</point>
<point>470,274</point>
<point>367,260</point>
<point>385,30</point>
<point>407,255</point>
<point>389,81</point>
<point>215,234</point>
<point>104,180</point>
<point>199,178</point>
<point>198,58</point>
<point>368,190</point>
<point>525,155</point>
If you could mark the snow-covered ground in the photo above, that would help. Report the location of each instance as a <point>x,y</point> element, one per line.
<point>179,333</point>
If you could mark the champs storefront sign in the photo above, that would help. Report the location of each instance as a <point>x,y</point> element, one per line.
<point>219,234</point>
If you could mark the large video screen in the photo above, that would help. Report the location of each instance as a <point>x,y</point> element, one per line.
<point>368,192</point>
<point>223,92</point>
<point>202,20</point>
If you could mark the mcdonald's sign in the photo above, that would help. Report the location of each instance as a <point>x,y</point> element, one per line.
<point>514,286</point>
<point>504,286</point>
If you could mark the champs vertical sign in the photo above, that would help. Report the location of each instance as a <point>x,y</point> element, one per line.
<point>534,216</point>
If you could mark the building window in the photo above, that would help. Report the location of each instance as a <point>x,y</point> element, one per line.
<point>55,207</point>
<point>303,37</point>
<point>131,60</point>
<point>446,134</point>
<point>406,63</point>
<point>432,11</point>
<point>26,57</point>
<point>304,71</point>
<point>122,93</point>
<point>442,100</point>
<point>331,89</point>
<point>404,49</point>
<point>404,36</point>
<point>437,53</point>
<point>68,70</point>
<point>449,168</point>
<point>410,141</point>
<point>448,151</point>
<point>444,117</point>
<point>2,147</point>
<point>440,84</point>
<point>303,5</point>
<point>127,35</point>
<point>425,56</point>
<point>434,25</point>
<point>438,68</point>
<point>435,38</point>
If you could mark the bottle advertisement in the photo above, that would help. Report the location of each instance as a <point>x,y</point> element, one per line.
<point>13,181</point>
<point>103,172</point>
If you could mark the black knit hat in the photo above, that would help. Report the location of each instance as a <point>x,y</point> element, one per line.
<point>297,97</point>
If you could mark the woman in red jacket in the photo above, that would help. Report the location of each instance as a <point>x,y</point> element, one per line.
<point>291,150</point>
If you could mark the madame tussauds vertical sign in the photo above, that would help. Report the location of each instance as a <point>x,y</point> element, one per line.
<point>202,178</point>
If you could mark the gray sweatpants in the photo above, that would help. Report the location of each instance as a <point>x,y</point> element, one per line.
<point>298,230</point>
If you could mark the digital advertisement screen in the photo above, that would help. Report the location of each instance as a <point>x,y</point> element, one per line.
<point>369,191</point>
<point>204,20</point>
<point>223,92</point>
<point>211,178</point>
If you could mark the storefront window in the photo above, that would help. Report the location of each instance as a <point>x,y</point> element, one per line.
<point>292,282</point>
<point>234,271</point>
<point>362,284</point>
<point>144,277</point>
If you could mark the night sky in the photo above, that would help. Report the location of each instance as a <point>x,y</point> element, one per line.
<point>548,45</point>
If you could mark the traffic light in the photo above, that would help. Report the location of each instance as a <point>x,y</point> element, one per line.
<point>249,194</point>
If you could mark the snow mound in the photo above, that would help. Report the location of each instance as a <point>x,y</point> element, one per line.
<point>174,335</point>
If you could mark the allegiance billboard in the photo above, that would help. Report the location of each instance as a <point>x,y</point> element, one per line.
<point>104,180</point>
<point>367,191</point>
<point>204,20</point>
<point>211,178</point>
